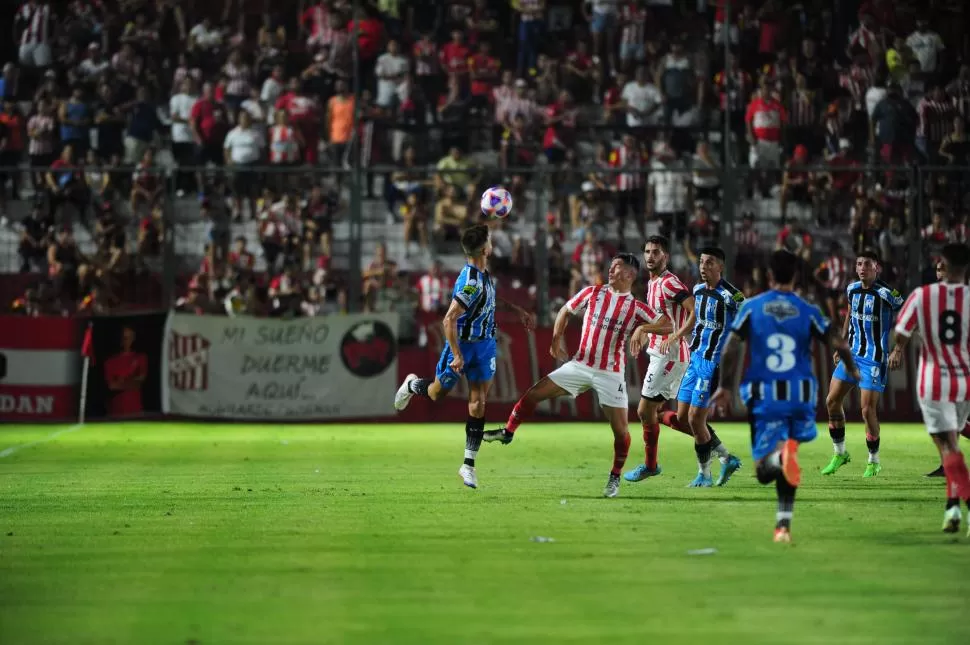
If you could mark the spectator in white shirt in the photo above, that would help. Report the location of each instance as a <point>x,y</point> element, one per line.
<point>205,37</point>
<point>391,70</point>
<point>272,89</point>
<point>257,110</point>
<point>92,67</point>
<point>927,46</point>
<point>183,143</point>
<point>244,147</point>
<point>642,100</point>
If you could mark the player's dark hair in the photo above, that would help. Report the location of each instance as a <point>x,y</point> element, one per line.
<point>630,259</point>
<point>783,266</point>
<point>713,251</point>
<point>660,241</point>
<point>473,239</point>
<point>870,254</point>
<point>957,256</point>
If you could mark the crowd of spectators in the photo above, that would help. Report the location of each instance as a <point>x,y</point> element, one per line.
<point>831,105</point>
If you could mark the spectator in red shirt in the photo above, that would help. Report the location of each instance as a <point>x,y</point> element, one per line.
<point>125,373</point>
<point>484,70</point>
<point>209,122</point>
<point>560,128</point>
<point>765,117</point>
<point>455,55</point>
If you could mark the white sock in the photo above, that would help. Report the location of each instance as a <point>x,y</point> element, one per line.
<point>722,454</point>
<point>705,468</point>
<point>774,460</point>
<point>470,454</point>
<point>874,457</point>
<point>839,447</point>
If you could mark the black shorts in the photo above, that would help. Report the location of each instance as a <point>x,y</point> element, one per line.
<point>245,182</point>
<point>210,153</point>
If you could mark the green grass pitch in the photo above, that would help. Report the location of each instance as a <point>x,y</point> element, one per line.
<point>209,534</point>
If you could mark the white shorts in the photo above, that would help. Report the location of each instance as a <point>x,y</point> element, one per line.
<point>944,416</point>
<point>38,55</point>
<point>576,378</point>
<point>765,154</point>
<point>663,379</point>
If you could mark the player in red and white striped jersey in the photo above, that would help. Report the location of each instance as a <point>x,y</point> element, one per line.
<point>669,353</point>
<point>940,312</point>
<point>612,315</point>
<point>34,20</point>
<point>965,433</point>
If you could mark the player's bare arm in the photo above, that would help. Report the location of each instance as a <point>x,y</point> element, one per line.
<point>450,324</point>
<point>639,337</point>
<point>844,337</point>
<point>527,318</point>
<point>688,326</point>
<point>558,348</point>
<point>728,384</point>
<point>840,347</point>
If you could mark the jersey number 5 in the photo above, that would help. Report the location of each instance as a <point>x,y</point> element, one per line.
<point>782,348</point>
<point>950,327</point>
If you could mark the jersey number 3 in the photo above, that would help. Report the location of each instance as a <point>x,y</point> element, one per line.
<point>950,328</point>
<point>782,348</point>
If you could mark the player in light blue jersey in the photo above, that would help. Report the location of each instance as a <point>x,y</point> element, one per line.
<point>716,302</point>
<point>469,329</point>
<point>872,309</point>
<point>779,386</point>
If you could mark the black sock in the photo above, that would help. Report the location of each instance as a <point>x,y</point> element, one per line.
<point>872,445</point>
<point>837,432</point>
<point>715,441</point>
<point>703,451</point>
<point>951,502</point>
<point>786,503</point>
<point>474,430</point>
<point>419,386</point>
<point>766,473</point>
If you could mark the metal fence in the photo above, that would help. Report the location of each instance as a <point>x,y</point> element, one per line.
<point>905,212</point>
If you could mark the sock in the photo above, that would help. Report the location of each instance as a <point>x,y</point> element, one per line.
<point>621,448</point>
<point>651,441</point>
<point>957,476</point>
<point>966,431</point>
<point>873,445</point>
<point>474,429</point>
<point>670,420</point>
<point>703,451</point>
<point>951,502</point>
<point>419,386</point>
<point>769,468</point>
<point>719,449</point>
<point>786,503</point>
<point>837,432</point>
<point>523,408</point>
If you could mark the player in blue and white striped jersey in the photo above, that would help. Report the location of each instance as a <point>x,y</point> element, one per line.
<point>470,350</point>
<point>872,309</point>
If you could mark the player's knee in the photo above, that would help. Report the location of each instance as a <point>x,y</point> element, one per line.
<point>832,402</point>
<point>764,474</point>
<point>647,411</point>
<point>476,409</point>
<point>697,418</point>
<point>868,410</point>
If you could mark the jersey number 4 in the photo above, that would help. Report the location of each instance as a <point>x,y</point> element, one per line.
<point>782,356</point>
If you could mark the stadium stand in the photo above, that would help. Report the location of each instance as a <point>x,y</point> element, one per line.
<point>226,128</point>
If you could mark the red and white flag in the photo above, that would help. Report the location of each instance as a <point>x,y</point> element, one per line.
<point>39,368</point>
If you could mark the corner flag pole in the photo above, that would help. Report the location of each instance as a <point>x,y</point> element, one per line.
<point>87,351</point>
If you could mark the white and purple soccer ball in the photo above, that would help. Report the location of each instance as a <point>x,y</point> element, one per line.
<point>496,202</point>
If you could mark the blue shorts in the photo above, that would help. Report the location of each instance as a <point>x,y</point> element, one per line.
<point>699,382</point>
<point>600,22</point>
<point>479,363</point>
<point>873,375</point>
<point>774,421</point>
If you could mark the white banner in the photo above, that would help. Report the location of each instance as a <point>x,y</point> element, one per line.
<point>257,368</point>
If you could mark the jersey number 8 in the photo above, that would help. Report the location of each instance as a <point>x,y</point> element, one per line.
<point>782,348</point>
<point>950,331</point>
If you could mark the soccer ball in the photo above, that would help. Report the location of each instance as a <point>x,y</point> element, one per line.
<point>496,202</point>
